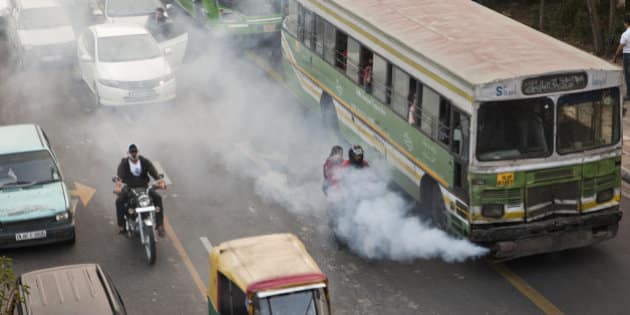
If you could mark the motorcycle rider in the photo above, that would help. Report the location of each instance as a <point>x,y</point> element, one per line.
<point>331,166</point>
<point>355,158</point>
<point>134,171</point>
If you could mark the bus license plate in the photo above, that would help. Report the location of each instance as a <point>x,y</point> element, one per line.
<point>505,179</point>
<point>30,235</point>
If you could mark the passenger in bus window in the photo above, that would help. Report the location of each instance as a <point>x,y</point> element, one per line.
<point>624,45</point>
<point>367,76</point>
<point>413,107</point>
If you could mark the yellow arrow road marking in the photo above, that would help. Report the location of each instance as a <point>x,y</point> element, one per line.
<point>85,193</point>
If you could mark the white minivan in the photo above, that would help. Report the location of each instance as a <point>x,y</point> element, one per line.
<point>39,31</point>
<point>123,11</point>
<point>122,64</point>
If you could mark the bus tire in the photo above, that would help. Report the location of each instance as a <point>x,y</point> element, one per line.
<point>329,114</point>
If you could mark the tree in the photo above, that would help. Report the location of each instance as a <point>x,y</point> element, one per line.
<point>595,25</point>
<point>10,291</point>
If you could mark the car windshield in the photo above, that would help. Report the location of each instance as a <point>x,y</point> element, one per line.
<point>27,168</point>
<point>588,120</point>
<point>252,7</point>
<point>309,302</point>
<point>127,48</point>
<point>39,18</point>
<point>119,8</point>
<point>515,130</point>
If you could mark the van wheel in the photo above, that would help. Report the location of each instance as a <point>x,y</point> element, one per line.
<point>329,114</point>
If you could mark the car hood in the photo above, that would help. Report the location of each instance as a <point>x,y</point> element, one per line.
<point>48,36</point>
<point>137,70</point>
<point>137,20</point>
<point>32,203</point>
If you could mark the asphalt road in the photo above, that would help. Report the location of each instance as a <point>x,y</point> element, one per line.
<point>212,145</point>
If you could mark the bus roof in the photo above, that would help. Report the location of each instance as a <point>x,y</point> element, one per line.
<point>469,41</point>
<point>266,262</point>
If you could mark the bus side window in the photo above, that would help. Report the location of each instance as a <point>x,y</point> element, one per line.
<point>380,78</point>
<point>341,50</point>
<point>366,69</point>
<point>444,128</point>
<point>292,15</point>
<point>459,145</point>
<point>352,60</point>
<point>318,35</point>
<point>308,29</point>
<point>329,43</point>
<point>400,91</point>
<point>430,111</point>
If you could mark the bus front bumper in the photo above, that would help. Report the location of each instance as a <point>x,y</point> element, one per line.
<point>551,235</point>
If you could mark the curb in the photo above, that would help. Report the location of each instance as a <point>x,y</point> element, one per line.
<point>625,175</point>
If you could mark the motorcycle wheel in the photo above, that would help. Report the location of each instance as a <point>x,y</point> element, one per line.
<point>149,247</point>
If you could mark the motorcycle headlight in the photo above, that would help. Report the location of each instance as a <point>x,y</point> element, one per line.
<point>144,202</point>
<point>165,79</point>
<point>63,217</point>
<point>111,83</point>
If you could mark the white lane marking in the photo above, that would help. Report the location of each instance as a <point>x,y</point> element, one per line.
<point>160,170</point>
<point>206,243</point>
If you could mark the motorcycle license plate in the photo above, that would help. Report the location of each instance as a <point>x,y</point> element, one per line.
<point>30,235</point>
<point>145,209</point>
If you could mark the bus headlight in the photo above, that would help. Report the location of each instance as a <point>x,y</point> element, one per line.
<point>493,211</point>
<point>605,195</point>
<point>63,217</point>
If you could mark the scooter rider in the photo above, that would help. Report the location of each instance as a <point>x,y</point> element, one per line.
<point>134,171</point>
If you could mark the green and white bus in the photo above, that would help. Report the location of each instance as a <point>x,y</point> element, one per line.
<point>509,137</point>
<point>237,17</point>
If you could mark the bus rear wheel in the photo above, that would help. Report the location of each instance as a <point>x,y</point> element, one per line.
<point>432,203</point>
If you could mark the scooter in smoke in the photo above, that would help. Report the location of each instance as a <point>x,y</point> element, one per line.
<point>140,217</point>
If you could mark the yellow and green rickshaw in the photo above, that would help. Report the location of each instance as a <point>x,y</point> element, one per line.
<point>266,275</point>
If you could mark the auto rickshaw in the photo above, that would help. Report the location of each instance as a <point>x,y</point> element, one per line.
<point>266,275</point>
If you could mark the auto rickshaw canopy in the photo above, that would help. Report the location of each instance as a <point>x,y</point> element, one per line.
<point>262,263</point>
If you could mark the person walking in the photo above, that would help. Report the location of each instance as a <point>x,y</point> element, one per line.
<point>331,166</point>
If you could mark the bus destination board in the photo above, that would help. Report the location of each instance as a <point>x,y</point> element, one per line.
<point>555,83</point>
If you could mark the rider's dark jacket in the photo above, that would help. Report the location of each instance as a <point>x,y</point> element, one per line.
<point>147,168</point>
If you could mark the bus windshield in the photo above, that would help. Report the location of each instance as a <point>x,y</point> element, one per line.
<point>309,302</point>
<point>252,7</point>
<point>518,129</point>
<point>588,120</point>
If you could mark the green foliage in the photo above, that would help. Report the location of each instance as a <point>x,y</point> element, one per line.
<point>9,286</point>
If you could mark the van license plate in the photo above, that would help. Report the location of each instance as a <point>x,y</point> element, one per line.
<point>142,93</point>
<point>30,235</point>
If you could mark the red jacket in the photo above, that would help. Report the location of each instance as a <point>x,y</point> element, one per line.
<point>347,163</point>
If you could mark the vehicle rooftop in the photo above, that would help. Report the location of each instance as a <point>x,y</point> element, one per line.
<point>472,42</point>
<point>73,289</point>
<point>262,258</point>
<point>34,4</point>
<point>117,29</point>
<point>20,138</point>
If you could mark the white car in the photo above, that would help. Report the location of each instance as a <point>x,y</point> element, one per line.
<point>39,31</point>
<point>122,64</point>
<point>124,11</point>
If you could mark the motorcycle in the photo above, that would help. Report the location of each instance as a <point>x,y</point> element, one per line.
<point>140,217</point>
